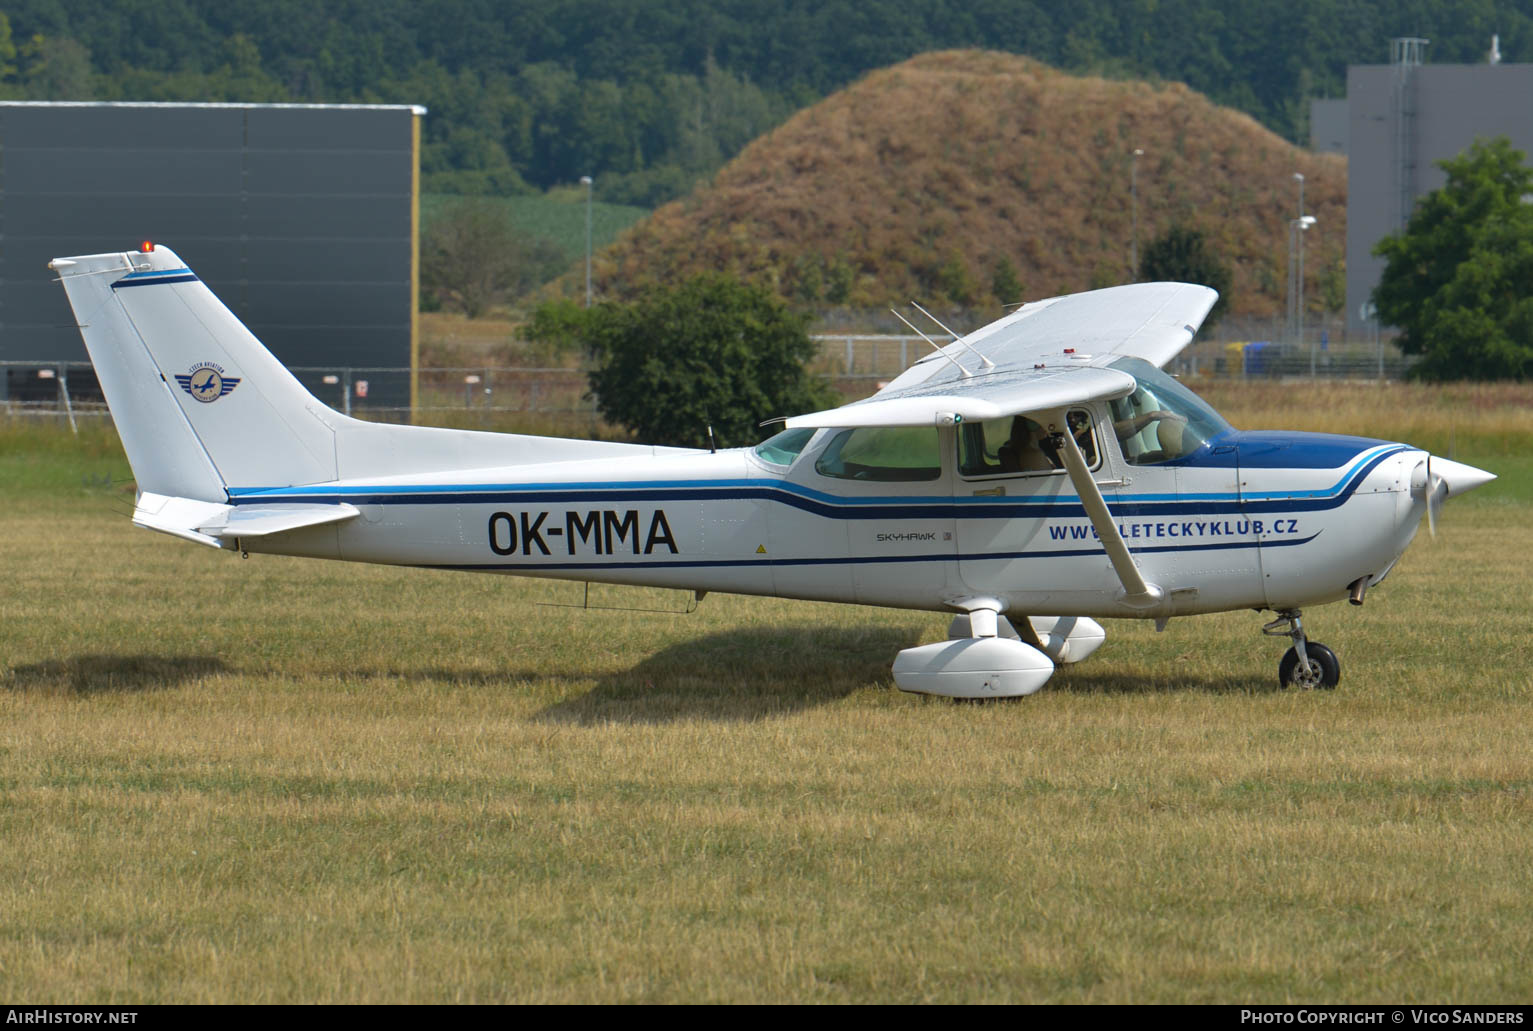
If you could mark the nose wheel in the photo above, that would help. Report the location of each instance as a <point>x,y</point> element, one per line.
<point>1308,664</point>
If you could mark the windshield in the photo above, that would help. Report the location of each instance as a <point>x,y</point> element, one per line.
<point>784,447</point>
<point>1162,420</point>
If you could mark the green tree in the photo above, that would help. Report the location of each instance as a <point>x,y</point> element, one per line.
<point>696,79</point>
<point>558,326</point>
<point>839,279</point>
<point>7,50</point>
<point>473,257</point>
<point>1181,255</point>
<point>955,280</point>
<point>1005,284</point>
<point>808,277</point>
<point>56,69</point>
<point>1456,279</point>
<point>713,351</point>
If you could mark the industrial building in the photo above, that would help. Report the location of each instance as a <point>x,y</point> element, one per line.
<point>1397,122</point>
<point>302,218</point>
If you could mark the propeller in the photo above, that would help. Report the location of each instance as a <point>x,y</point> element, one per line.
<point>1437,493</point>
<point>1438,479</point>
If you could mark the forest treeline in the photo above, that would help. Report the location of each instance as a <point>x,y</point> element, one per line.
<point>649,95</point>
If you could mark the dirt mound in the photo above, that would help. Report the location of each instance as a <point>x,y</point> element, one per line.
<point>922,179</point>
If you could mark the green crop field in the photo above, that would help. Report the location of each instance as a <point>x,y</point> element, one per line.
<point>285,781</point>
<point>559,215</point>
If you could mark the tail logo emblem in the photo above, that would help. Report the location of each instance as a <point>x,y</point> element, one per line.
<point>206,382</point>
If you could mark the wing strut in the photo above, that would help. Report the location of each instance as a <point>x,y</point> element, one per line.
<point>1137,594</point>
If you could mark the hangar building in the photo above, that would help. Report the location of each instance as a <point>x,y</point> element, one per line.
<point>302,218</point>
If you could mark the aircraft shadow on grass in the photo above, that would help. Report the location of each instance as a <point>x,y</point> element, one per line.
<point>106,674</point>
<point>743,674</point>
<point>1085,681</point>
<point>752,673</point>
<point>738,675</point>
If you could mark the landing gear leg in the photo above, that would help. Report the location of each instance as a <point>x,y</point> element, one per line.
<point>1308,664</point>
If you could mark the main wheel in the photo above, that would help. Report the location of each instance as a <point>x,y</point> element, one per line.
<point>1324,671</point>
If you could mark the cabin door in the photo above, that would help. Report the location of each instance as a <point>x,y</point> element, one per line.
<point>1255,460</point>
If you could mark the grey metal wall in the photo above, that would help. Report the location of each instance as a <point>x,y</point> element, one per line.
<point>1328,126</point>
<point>1397,136</point>
<point>301,218</point>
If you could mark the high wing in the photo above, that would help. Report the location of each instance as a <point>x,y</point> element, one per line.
<point>1153,321</point>
<point>1046,355</point>
<point>1042,359</point>
<point>1003,391</point>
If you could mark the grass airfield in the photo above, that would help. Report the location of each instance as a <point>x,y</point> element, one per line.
<point>283,781</point>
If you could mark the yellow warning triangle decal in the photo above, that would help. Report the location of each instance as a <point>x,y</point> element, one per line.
<point>761,549</point>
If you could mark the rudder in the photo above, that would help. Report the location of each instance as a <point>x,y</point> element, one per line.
<point>201,405</point>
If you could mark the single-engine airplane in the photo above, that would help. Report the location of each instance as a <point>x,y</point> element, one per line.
<point>1031,477</point>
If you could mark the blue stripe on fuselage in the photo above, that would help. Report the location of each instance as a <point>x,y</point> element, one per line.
<point>859,560</point>
<point>828,505</point>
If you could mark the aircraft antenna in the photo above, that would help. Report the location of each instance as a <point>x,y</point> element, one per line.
<point>936,346</point>
<point>956,338</point>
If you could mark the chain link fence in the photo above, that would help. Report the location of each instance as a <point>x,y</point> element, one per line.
<point>1256,353</point>
<point>558,399</point>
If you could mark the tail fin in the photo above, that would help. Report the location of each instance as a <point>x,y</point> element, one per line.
<point>205,411</point>
<point>200,404</point>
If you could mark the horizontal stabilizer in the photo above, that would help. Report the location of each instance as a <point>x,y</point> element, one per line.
<point>179,517</point>
<point>211,523</point>
<point>263,522</point>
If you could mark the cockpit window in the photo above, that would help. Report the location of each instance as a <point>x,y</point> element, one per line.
<point>883,453</point>
<point>1016,445</point>
<point>784,447</point>
<point>1162,420</point>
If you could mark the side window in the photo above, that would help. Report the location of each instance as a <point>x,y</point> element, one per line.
<point>883,454</point>
<point>1016,445</point>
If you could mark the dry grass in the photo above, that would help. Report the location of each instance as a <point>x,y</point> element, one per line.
<point>452,341</point>
<point>1486,419</point>
<point>974,156</point>
<point>287,781</point>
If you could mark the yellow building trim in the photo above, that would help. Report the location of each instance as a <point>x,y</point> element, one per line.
<point>415,261</point>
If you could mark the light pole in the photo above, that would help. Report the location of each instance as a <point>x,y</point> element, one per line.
<point>1370,313</point>
<point>586,182</point>
<point>1296,230</point>
<point>1298,316</point>
<point>1133,190</point>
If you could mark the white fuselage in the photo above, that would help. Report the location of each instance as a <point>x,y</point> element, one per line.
<point>1260,521</point>
<point>1037,473</point>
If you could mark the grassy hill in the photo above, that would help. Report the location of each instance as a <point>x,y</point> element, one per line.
<point>919,179</point>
